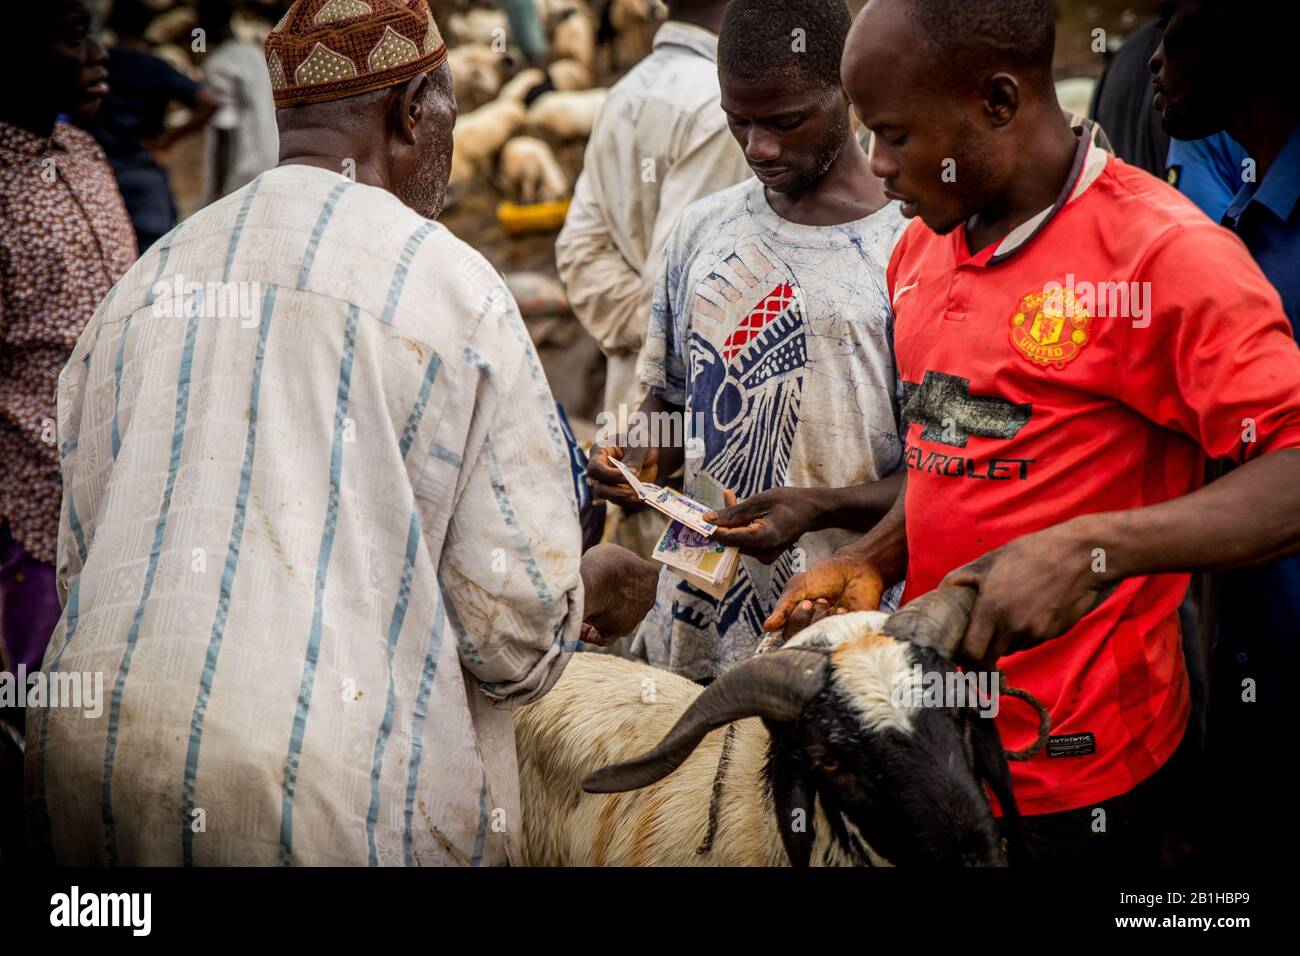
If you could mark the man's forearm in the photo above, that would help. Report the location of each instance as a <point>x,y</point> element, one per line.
<point>857,507</point>
<point>885,545</point>
<point>198,119</point>
<point>1249,516</point>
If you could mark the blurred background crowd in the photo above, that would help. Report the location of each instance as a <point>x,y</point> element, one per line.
<point>190,119</point>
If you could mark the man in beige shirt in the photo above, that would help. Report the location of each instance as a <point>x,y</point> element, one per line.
<point>661,142</point>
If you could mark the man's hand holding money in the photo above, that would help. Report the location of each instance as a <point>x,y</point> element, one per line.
<point>607,484</point>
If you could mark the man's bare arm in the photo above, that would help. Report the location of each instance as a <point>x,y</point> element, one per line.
<point>1039,586</point>
<point>765,525</point>
<point>854,578</point>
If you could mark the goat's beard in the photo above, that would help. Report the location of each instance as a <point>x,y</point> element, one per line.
<point>425,190</point>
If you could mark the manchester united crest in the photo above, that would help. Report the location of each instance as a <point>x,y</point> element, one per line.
<point>1050,327</point>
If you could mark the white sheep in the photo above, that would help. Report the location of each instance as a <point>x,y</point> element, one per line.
<point>633,23</point>
<point>561,115</point>
<point>475,74</point>
<point>829,761</point>
<point>574,37</point>
<point>478,137</point>
<point>569,74</point>
<point>528,171</point>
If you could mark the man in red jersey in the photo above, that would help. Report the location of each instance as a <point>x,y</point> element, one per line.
<point>1074,338</point>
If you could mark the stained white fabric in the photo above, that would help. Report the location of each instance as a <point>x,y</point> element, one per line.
<point>319,536</point>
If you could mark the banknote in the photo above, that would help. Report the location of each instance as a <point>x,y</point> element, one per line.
<point>667,501</point>
<point>707,564</point>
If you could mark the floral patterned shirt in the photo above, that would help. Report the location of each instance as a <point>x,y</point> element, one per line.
<point>65,239</point>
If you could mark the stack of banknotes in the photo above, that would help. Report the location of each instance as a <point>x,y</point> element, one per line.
<point>686,546</point>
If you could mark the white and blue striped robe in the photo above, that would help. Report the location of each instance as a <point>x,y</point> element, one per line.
<point>319,537</point>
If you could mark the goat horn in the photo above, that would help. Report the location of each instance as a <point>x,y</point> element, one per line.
<point>937,620</point>
<point>776,686</point>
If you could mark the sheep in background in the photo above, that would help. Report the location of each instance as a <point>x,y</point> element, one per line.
<point>529,85</point>
<point>173,26</point>
<point>569,75</point>
<point>825,764</point>
<point>479,135</point>
<point>249,28</point>
<point>528,172</point>
<point>475,74</point>
<point>574,36</point>
<point>518,86</point>
<point>564,116</point>
<point>628,28</point>
<point>488,27</point>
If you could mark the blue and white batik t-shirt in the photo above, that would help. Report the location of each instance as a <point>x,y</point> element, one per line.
<point>776,337</point>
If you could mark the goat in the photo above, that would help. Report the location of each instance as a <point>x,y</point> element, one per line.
<point>560,116</point>
<point>827,762</point>
<point>528,171</point>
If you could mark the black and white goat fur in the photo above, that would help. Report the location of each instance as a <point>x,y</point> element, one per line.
<point>826,765</point>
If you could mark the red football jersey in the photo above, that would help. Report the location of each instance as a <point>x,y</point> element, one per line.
<point>1085,363</point>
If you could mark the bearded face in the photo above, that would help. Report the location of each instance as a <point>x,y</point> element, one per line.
<point>424,186</point>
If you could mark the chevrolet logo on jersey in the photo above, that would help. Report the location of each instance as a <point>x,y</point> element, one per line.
<point>950,414</point>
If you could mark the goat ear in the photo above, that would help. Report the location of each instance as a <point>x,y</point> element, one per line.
<point>991,766</point>
<point>794,801</point>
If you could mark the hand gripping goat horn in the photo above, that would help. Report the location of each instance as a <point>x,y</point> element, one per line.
<point>776,686</point>
<point>937,620</point>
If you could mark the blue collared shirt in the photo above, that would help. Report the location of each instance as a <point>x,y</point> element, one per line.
<point>1207,171</point>
<point>1266,214</point>
<point>1260,607</point>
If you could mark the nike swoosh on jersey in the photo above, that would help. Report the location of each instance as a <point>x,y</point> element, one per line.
<point>900,291</point>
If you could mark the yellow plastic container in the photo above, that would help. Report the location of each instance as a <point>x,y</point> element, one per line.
<point>517,220</point>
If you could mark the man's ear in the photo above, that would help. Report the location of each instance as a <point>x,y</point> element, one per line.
<point>408,108</point>
<point>1001,98</point>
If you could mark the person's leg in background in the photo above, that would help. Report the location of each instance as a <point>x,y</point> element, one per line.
<point>29,611</point>
<point>146,192</point>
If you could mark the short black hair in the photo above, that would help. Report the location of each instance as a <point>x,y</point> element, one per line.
<point>970,35</point>
<point>762,38</point>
